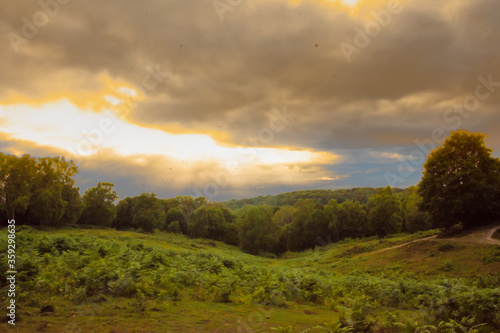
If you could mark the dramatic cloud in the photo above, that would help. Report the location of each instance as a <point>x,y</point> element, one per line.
<point>359,86</point>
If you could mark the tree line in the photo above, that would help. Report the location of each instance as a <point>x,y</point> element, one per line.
<point>359,194</point>
<point>460,188</point>
<point>39,191</point>
<point>308,224</point>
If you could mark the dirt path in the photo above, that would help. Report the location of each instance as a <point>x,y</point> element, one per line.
<point>483,236</point>
<point>489,236</point>
<point>404,244</point>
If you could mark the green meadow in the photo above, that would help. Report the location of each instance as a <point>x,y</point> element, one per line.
<point>81,279</point>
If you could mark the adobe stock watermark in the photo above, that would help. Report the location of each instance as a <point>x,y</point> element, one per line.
<point>288,290</point>
<point>254,321</point>
<point>223,6</point>
<point>30,27</point>
<point>454,118</point>
<point>153,78</point>
<point>277,123</point>
<point>94,138</point>
<point>11,276</point>
<point>363,38</point>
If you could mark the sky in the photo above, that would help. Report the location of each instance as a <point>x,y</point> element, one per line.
<point>238,98</point>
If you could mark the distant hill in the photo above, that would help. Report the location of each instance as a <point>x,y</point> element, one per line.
<point>361,194</point>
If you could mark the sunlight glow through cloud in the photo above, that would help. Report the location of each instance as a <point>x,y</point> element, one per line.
<point>350,2</point>
<point>65,126</point>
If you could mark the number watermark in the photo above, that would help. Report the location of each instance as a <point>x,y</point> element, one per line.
<point>11,273</point>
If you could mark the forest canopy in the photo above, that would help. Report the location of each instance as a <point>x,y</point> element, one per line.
<point>460,187</point>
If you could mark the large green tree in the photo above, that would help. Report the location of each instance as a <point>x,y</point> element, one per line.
<point>39,191</point>
<point>176,215</point>
<point>55,200</point>
<point>384,213</point>
<point>284,215</point>
<point>461,182</point>
<point>124,214</point>
<point>145,211</point>
<point>349,221</point>
<point>148,212</point>
<point>257,231</point>
<point>213,221</point>
<point>415,218</point>
<point>99,205</point>
<point>179,210</point>
<point>309,224</point>
<point>17,175</point>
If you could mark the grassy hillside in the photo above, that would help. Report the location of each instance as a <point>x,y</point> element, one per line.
<point>102,280</point>
<point>360,195</point>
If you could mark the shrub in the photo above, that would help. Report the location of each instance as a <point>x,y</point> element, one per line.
<point>491,255</point>
<point>446,266</point>
<point>446,247</point>
<point>174,227</point>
